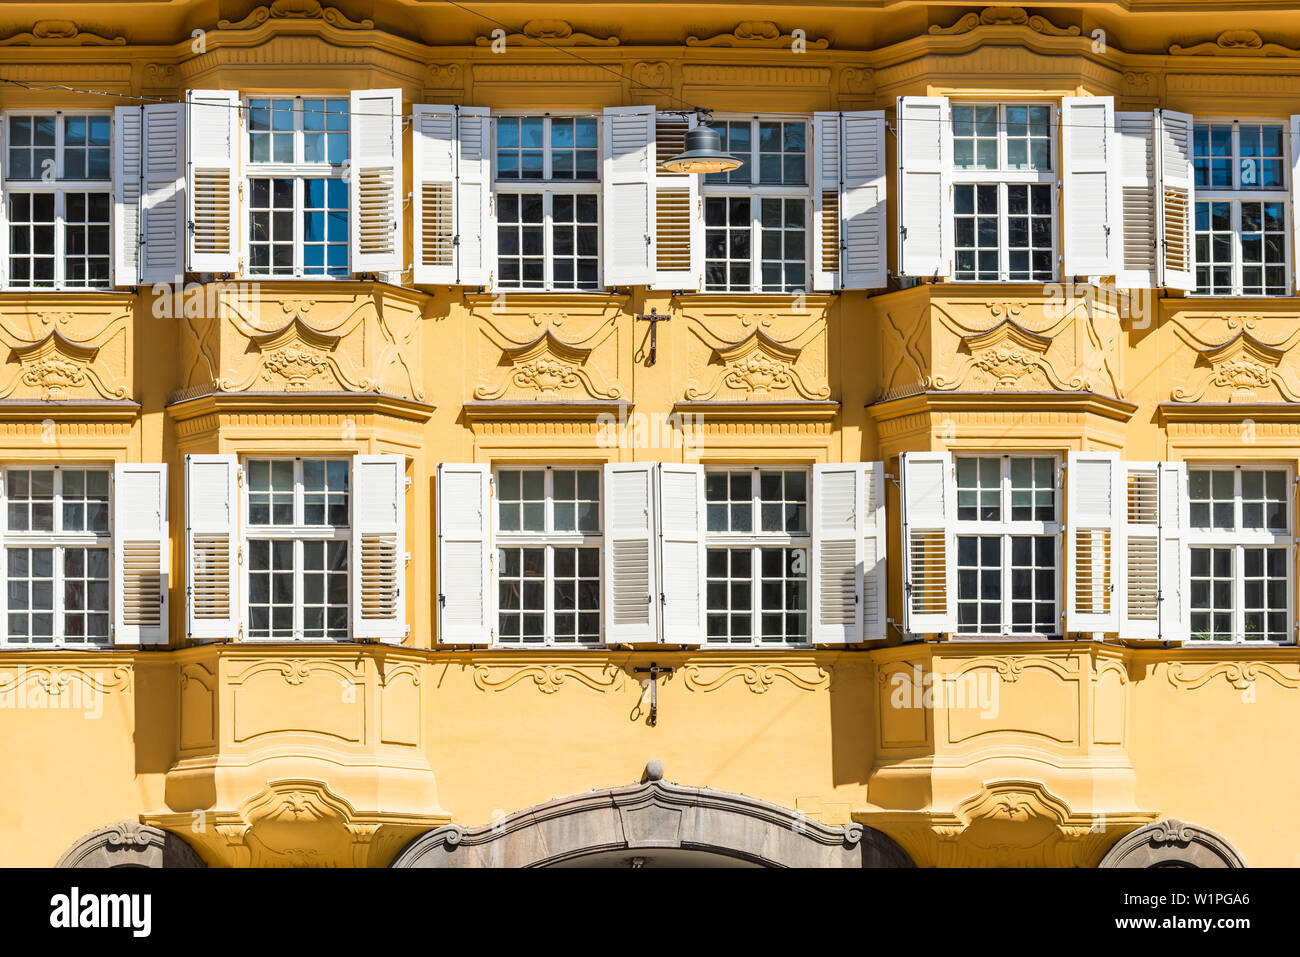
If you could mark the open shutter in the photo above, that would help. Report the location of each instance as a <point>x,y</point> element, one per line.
<point>1139,550</point>
<point>433,161</point>
<point>1087,124</point>
<point>213,154</point>
<point>1295,193</point>
<point>1137,246</point>
<point>826,202</point>
<point>4,232</point>
<point>629,203</point>
<point>376,180</point>
<point>929,566</point>
<point>1176,200</point>
<point>1093,502</point>
<point>924,160</point>
<point>631,590</point>
<point>128,143</point>
<point>838,517</point>
<point>1175,573</point>
<point>681,531</point>
<point>464,554</point>
<point>476,230</point>
<point>140,557</point>
<point>211,546</point>
<point>862,200</point>
<point>875,578</point>
<point>163,208</point>
<point>379,547</point>
<point>679,225</point>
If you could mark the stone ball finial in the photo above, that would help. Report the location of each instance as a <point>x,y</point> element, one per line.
<point>654,770</point>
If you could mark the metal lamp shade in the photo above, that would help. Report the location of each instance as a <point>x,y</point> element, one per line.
<point>703,154</point>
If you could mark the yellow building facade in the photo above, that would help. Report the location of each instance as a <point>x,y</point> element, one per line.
<point>402,467</point>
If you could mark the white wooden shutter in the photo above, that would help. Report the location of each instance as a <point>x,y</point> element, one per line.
<point>826,202</point>
<point>211,546</point>
<point>1295,193</point>
<point>476,230</point>
<point>163,209</point>
<point>465,580</point>
<point>679,221</point>
<point>4,237</point>
<point>1175,572</point>
<point>929,565</point>
<point>433,183</point>
<point>379,547</point>
<point>628,183</point>
<point>862,200</point>
<point>1139,550</point>
<point>1088,166</point>
<point>375,147</point>
<point>681,534</point>
<point>875,572</point>
<point>213,182</point>
<point>1137,245</point>
<point>838,537</point>
<point>924,164</point>
<point>128,143</point>
<point>1093,502</point>
<point>631,591</point>
<point>140,554</point>
<point>1176,200</point>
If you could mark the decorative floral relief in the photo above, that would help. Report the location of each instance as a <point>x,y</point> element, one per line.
<point>60,369</point>
<point>1243,367</point>
<point>1004,17</point>
<point>1001,357</point>
<point>60,32</point>
<point>296,10</point>
<point>755,33</point>
<point>759,367</point>
<point>553,32</point>
<point>550,367</point>
<point>1235,43</point>
<point>297,366</point>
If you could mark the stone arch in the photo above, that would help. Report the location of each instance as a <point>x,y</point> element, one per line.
<point>654,816</point>
<point>130,844</point>
<point>1172,843</point>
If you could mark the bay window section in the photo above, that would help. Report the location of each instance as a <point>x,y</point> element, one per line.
<point>756,556</point>
<point>548,572</point>
<point>1240,553</point>
<point>57,199</point>
<point>298,203</point>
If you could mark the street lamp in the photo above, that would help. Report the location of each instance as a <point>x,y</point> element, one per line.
<point>703,154</point>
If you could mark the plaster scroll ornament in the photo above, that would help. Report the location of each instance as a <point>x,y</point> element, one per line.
<point>296,10</point>
<point>1235,43</point>
<point>756,33</point>
<point>1004,17</point>
<point>60,33</point>
<point>551,32</point>
<point>548,367</point>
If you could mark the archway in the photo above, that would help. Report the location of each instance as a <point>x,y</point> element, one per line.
<point>1172,843</point>
<point>130,844</point>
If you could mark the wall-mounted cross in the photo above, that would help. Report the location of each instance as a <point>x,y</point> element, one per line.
<point>654,318</point>
<point>654,671</point>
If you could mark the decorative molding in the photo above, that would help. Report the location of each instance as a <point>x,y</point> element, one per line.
<point>550,32</point>
<point>759,678</point>
<point>130,844</point>
<point>1243,364</point>
<point>549,678</point>
<point>1004,17</point>
<point>296,10</point>
<point>1004,355</point>
<point>59,368</point>
<point>60,33</point>
<point>857,80</point>
<point>58,681</point>
<point>756,33</point>
<point>1173,843</point>
<point>549,367</point>
<point>1240,674</point>
<point>657,74</point>
<point>445,76</point>
<point>1235,43</point>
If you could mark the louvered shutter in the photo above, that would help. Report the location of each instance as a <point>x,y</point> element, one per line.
<point>628,182</point>
<point>4,230</point>
<point>929,566</point>
<point>433,161</point>
<point>924,162</point>
<point>679,225</point>
<point>631,589</point>
<point>140,555</point>
<point>1088,167</point>
<point>213,183</point>
<point>1093,502</point>
<point>1176,200</point>
<point>846,546</point>
<point>1295,194</point>
<point>862,200</point>
<point>1175,573</point>
<point>163,207</point>
<point>375,148</point>
<point>1139,549</point>
<point>1137,246</point>
<point>681,534</point>
<point>475,222</point>
<point>379,547</point>
<point>128,143</point>
<point>465,580</point>
<point>826,202</point>
<point>875,577</point>
<point>211,546</point>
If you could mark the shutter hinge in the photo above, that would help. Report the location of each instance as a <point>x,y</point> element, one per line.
<point>406,557</point>
<point>239,476</point>
<point>442,600</point>
<point>240,555</point>
<point>407,482</point>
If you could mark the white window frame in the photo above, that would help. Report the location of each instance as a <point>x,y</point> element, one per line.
<point>1006,529</point>
<point>60,188</point>
<point>547,188</point>
<point>757,192</point>
<point>1239,539</point>
<point>297,171</point>
<point>1003,177</point>
<point>756,540</point>
<point>57,540</point>
<point>549,539</point>
<point>1238,194</point>
<point>298,532</point>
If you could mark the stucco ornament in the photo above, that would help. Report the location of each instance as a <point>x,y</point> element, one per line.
<point>60,33</point>
<point>1235,43</point>
<point>549,368</point>
<point>755,33</point>
<point>1173,843</point>
<point>130,844</point>
<point>550,31</point>
<point>61,369</point>
<point>296,10</point>
<point>1004,17</point>
<point>1241,369</point>
<point>760,368</point>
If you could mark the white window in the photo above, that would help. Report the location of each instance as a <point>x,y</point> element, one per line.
<point>58,168</point>
<point>57,555</point>
<point>1003,192</point>
<point>298,194</point>
<point>1240,553</point>
<point>548,540</point>
<point>756,217</point>
<point>1008,545</point>
<point>547,181</point>
<point>298,544</point>
<point>756,556</point>
<point>1242,194</point>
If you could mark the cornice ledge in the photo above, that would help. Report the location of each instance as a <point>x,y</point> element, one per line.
<point>189,407</point>
<point>581,410</point>
<point>1092,402</point>
<point>732,409</point>
<point>1232,412</point>
<point>104,410</point>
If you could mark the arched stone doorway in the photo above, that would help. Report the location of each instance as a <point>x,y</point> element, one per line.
<point>1172,843</point>
<point>130,844</point>
<point>655,824</point>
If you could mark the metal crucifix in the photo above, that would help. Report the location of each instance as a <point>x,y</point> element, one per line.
<point>654,671</point>
<point>654,318</point>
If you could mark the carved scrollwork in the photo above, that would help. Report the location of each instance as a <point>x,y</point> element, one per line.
<point>550,368</point>
<point>296,10</point>
<point>756,33</point>
<point>759,367</point>
<point>553,32</point>
<point>61,369</point>
<point>758,678</point>
<point>1240,674</point>
<point>1243,367</point>
<point>1235,43</point>
<point>60,33</point>
<point>1004,17</point>
<point>549,678</point>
